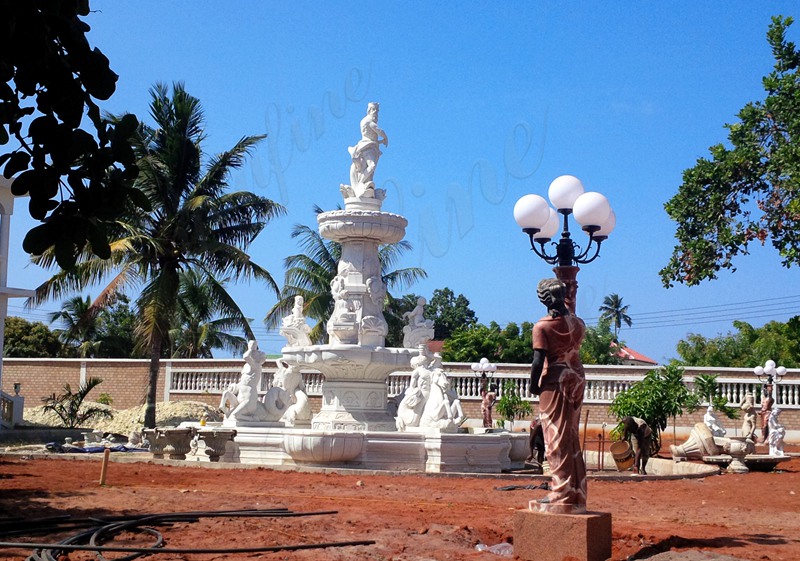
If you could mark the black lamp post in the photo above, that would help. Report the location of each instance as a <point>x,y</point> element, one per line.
<point>541,222</point>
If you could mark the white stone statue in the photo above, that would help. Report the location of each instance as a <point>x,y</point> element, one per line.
<point>366,153</point>
<point>240,401</point>
<point>777,432</point>
<point>294,326</point>
<point>417,330</point>
<point>429,401</point>
<point>286,400</point>
<point>409,411</point>
<point>749,416</point>
<point>711,421</point>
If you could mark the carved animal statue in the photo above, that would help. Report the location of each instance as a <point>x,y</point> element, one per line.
<point>437,412</point>
<point>292,402</point>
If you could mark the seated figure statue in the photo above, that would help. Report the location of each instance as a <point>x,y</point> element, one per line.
<point>409,410</point>
<point>711,421</point>
<point>294,326</point>
<point>417,330</point>
<point>240,401</point>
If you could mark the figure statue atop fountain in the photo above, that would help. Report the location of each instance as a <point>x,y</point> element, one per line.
<point>294,326</point>
<point>418,330</point>
<point>558,376</point>
<point>749,416</point>
<point>712,422</point>
<point>365,155</point>
<point>240,401</point>
<point>777,432</point>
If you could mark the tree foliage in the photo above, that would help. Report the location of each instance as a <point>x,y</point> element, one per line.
<point>659,396</point>
<point>511,406</point>
<point>511,344</point>
<point>747,191</point>
<point>70,408</point>
<point>24,339</point>
<point>615,312</point>
<point>195,222</point>
<point>747,347</point>
<point>599,345</point>
<point>78,178</point>
<point>309,274</point>
<point>449,313</point>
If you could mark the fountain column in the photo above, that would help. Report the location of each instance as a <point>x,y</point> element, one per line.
<point>355,362</point>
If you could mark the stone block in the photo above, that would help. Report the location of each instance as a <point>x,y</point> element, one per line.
<point>542,536</point>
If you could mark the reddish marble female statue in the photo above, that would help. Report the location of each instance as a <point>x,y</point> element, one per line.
<point>558,374</point>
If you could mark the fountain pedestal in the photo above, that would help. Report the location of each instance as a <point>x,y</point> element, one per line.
<point>354,394</point>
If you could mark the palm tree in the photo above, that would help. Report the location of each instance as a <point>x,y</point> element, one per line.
<point>198,329</point>
<point>80,324</point>
<point>613,310</point>
<point>184,219</point>
<point>309,274</point>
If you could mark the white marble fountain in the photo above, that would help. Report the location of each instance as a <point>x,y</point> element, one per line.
<point>355,426</point>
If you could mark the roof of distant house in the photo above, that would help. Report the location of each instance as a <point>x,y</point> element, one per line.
<point>626,353</point>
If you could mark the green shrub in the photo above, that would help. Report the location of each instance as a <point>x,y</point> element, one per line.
<point>68,406</point>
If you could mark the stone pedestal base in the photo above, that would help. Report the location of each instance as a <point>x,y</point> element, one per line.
<point>557,537</point>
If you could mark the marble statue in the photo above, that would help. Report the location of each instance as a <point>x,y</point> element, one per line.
<point>286,400</point>
<point>366,153</point>
<point>418,330</point>
<point>488,399</point>
<point>558,373</point>
<point>711,421</point>
<point>409,411</point>
<point>766,407</point>
<point>749,416</point>
<point>240,401</point>
<point>294,326</point>
<point>777,432</point>
<point>429,401</point>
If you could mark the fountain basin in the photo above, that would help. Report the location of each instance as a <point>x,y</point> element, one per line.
<point>324,447</point>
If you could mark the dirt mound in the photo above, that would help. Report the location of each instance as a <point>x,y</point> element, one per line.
<point>126,421</point>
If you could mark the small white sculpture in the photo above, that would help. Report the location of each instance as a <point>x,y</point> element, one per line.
<point>711,421</point>
<point>429,401</point>
<point>777,432</point>
<point>294,326</point>
<point>749,416</point>
<point>366,153</point>
<point>292,403</point>
<point>417,330</point>
<point>240,401</point>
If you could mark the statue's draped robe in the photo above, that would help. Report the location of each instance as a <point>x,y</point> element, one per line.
<point>560,401</point>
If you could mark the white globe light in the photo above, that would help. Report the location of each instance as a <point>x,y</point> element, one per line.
<point>550,227</point>
<point>531,211</point>
<point>475,367</point>
<point>780,371</point>
<point>608,226</point>
<point>769,367</point>
<point>484,360</point>
<point>591,209</point>
<point>758,370</point>
<point>564,190</point>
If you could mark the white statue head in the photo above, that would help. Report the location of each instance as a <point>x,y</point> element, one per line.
<point>373,107</point>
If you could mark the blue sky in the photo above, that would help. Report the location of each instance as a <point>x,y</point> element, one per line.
<point>482,104</point>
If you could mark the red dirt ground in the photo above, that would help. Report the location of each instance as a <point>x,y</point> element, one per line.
<point>410,517</point>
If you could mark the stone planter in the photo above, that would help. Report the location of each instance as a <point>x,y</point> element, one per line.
<point>178,442</point>
<point>157,442</point>
<point>216,440</point>
<point>323,448</point>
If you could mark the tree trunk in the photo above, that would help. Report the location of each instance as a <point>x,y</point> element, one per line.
<point>152,381</point>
